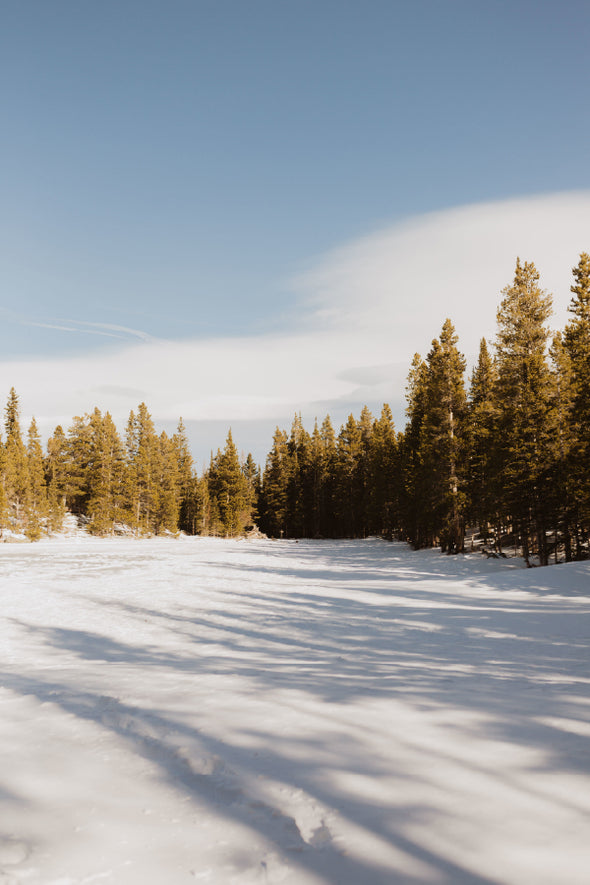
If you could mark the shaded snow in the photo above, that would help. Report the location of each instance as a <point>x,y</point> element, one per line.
<point>353,713</point>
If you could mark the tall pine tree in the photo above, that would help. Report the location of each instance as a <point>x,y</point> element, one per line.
<point>576,342</point>
<point>16,467</point>
<point>523,400</point>
<point>481,428</point>
<point>36,500</point>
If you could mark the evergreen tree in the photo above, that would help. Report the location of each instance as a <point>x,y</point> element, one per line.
<point>104,474</point>
<point>328,479</point>
<point>251,473</point>
<point>348,502</point>
<point>315,481</point>
<point>414,486</point>
<point>481,428</point>
<point>57,477</point>
<point>212,522</point>
<point>298,493</point>
<point>200,506</point>
<point>441,438</point>
<point>228,486</point>
<point>16,470</point>
<point>564,499</point>
<point>188,509</point>
<point>274,488</point>
<point>364,476</point>
<point>384,476</point>
<point>143,471</point>
<point>36,500</point>
<point>4,510</point>
<point>523,399</point>
<point>78,460</point>
<point>576,342</point>
<point>169,486</point>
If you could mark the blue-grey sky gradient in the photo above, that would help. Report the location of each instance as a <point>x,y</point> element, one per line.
<point>171,166</point>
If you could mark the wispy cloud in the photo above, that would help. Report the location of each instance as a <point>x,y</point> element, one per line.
<point>108,330</point>
<point>366,308</point>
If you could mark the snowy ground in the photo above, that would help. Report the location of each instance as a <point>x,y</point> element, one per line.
<point>351,713</point>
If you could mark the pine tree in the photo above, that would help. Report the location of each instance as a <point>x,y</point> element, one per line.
<point>523,399</point>
<point>143,470</point>
<point>251,473</point>
<point>328,490</point>
<point>298,492</point>
<point>565,487</point>
<point>481,428</point>
<point>576,342</point>
<point>36,500</point>
<point>187,515</point>
<point>273,515</point>
<point>441,439</point>
<point>348,501</point>
<point>212,523</point>
<point>364,477</point>
<point>104,475</point>
<point>169,486</point>
<point>200,506</point>
<point>415,479</point>
<point>4,510</point>
<point>229,488</point>
<point>57,478</point>
<point>16,471</point>
<point>384,476</point>
<point>315,481</point>
<point>78,459</point>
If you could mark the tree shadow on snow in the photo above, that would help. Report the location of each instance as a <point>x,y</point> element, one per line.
<point>354,621</point>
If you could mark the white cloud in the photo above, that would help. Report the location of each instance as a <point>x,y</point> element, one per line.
<point>367,307</point>
<point>400,284</point>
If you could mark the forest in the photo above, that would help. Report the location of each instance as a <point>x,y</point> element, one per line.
<point>504,458</point>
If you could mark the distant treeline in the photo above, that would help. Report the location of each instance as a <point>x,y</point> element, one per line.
<point>508,457</point>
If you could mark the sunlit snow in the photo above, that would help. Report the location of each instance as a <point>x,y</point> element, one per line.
<point>352,713</point>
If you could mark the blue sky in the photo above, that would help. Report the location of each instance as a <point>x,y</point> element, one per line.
<point>185,183</point>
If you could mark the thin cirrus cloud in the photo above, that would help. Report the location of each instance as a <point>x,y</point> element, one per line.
<point>107,330</point>
<point>364,310</point>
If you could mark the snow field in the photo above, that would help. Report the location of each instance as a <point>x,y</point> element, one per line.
<point>352,713</point>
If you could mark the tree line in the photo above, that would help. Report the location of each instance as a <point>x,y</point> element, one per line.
<point>506,455</point>
<point>143,483</point>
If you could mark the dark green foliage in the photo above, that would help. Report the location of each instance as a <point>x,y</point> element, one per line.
<point>251,473</point>
<point>576,344</point>
<point>433,448</point>
<point>565,492</point>
<point>188,513</point>
<point>15,479</point>
<point>321,486</point>
<point>384,484</point>
<point>481,427</point>
<point>229,492</point>
<point>511,459</point>
<point>523,395</point>
<point>56,467</point>
<point>274,516</point>
<point>36,499</point>
<point>146,484</point>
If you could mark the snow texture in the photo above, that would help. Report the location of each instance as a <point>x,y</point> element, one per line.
<point>236,712</point>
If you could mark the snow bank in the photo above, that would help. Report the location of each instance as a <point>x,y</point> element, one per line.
<point>352,713</point>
